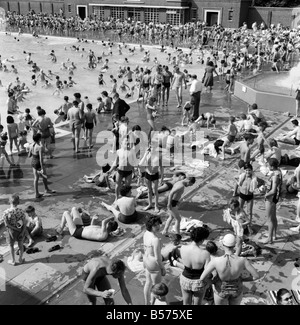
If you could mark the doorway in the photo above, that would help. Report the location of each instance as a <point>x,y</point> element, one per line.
<point>82,11</point>
<point>212,17</point>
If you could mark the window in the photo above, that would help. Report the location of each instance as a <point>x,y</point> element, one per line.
<point>175,17</point>
<point>117,13</point>
<point>134,13</point>
<point>194,14</point>
<point>151,15</point>
<point>98,12</point>
<point>230,15</point>
<point>69,9</point>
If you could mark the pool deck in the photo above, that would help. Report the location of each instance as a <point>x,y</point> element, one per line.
<point>54,278</point>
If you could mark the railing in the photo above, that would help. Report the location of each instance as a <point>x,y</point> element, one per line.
<point>252,81</point>
<point>104,35</point>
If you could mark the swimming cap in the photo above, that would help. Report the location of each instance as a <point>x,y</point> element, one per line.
<point>229,240</point>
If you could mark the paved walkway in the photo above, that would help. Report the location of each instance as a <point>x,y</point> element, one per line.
<point>53,278</point>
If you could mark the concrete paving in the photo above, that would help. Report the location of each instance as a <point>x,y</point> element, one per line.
<point>54,278</point>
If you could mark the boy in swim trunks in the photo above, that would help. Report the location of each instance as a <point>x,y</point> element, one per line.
<point>173,201</point>
<point>166,186</point>
<point>124,208</point>
<point>230,135</point>
<point>245,151</point>
<point>92,232</point>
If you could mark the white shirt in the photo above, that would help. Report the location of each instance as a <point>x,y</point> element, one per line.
<point>196,86</point>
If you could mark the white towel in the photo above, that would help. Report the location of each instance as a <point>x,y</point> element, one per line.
<point>187,224</point>
<point>135,262</point>
<point>209,150</point>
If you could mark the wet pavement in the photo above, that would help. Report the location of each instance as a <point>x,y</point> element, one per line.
<point>54,278</point>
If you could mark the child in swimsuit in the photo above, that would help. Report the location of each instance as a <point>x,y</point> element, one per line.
<point>231,134</point>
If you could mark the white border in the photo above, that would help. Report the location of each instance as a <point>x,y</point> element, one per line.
<point>86,10</point>
<point>219,12</point>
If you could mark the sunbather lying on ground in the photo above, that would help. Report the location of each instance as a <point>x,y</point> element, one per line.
<point>166,186</point>
<point>92,232</point>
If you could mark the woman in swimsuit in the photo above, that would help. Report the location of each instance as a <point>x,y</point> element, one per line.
<point>151,109</point>
<point>228,286</point>
<point>36,152</point>
<point>195,260</point>
<point>152,258</point>
<point>272,197</point>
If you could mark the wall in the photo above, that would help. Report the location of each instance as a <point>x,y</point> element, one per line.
<point>225,6</point>
<point>270,16</point>
<point>34,5</point>
<point>241,9</point>
<point>270,101</point>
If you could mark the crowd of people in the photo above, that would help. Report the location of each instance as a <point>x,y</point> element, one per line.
<point>140,153</point>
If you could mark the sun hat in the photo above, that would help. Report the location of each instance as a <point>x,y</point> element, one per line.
<point>229,240</point>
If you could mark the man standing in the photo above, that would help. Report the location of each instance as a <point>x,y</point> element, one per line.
<point>15,223</point>
<point>195,92</point>
<point>166,86</point>
<point>120,106</point>
<point>74,116</point>
<point>96,283</point>
<point>173,202</point>
<point>62,111</point>
<point>177,82</point>
<point>45,127</point>
<point>77,97</point>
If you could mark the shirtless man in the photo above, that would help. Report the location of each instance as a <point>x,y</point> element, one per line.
<point>75,116</point>
<point>247,184</point>
<point>124,163</point>
<point>177,82</point>
<point>92,232</point>
<point>151,163</point>
<point>96,283</point>
<point>228,288</point>
<point>124,208</point>
<point>166,86</point>
<point>173,200</point>
<point>167,185</point>
<point>292,137</point>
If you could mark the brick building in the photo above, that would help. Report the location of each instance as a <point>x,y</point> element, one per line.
<point>230,13</point>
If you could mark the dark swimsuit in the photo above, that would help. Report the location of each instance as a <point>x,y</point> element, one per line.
<point>190,280</point>
<point>124,173</point>
<point>174,203</point>
<point>78,232</point>
<point>246,197</point>
<point>192,273</point>
<point>230,288</point>
<point>89,126</point>
<point>152,177</point>
<point>35,162</point>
